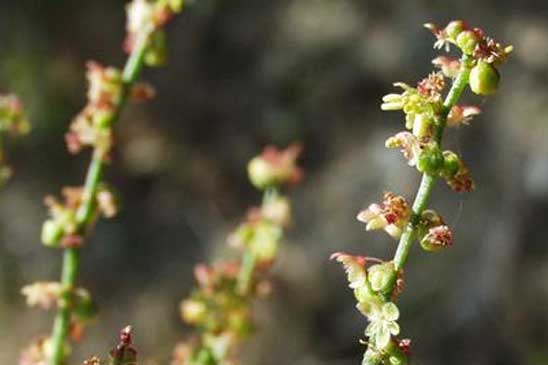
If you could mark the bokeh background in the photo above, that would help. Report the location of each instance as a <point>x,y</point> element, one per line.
<point>245,73</point>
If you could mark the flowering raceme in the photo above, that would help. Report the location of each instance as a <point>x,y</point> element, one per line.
<point>220,306</point>
<point>377,283</point>
<point>72,219</point>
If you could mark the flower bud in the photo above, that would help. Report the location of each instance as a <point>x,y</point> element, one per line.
<point>382,277</point>
<point>193,311</point>
<point>484,79</point>
<point>451,164</point>
<point>278,210</point>
<point>453,29</point>
<point>430,160</point>
<point>52,232</point>
<point>467,41</point>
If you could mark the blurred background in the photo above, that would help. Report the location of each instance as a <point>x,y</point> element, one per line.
<point>243,74</point>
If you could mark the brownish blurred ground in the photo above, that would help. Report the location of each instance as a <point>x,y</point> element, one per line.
<point>246,73</point>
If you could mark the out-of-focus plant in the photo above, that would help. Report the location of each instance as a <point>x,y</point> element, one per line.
<point>72,220</point>
<point>376,283</point>
<point>220,306</point>
<point>123,354</point>
<point>13,121</point>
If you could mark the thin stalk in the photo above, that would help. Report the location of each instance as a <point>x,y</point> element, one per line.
<point>428,181</point>
<point>245,275</point>
<point>86,211</point>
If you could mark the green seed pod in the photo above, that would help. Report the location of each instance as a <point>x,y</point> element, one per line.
<point>52,232</point>
<point>467,41</point>
<point>453,29</point>
<point>430,160</point>
<point>451,164</point>
<point>484,79</point>
<point>382,277</point>
<point>261,173</point>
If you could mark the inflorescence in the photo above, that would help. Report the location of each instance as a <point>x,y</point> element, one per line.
<point>220,306</point>
<point>377,283</point>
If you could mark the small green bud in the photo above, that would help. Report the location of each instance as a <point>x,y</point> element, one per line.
<point>453,29</point>
<point>430,160</point>
<point>52,232</point>
<point>382,277</point>
<point>484,79</point>
<point>264,243</point>
<point>156,54</point>
<point>261,173</point>
<point>451,164</point>
<point>467,41</point>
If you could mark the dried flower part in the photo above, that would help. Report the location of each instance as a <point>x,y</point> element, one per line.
<point>462,114</point>
<point>409,144</point>
<point>461,181</point>
<point>354,266</point>
<point>391,215</point>
<point>145,18</point>
<point>36,353</point>
<point>124,353</point>
<point>45,295</point>
<point>437,238</point>
<point>107,201</point>
<point>432,86</point>
<point>275,167</point>
<point>94,360</point>
<point>91,126</point>
<point>142,92</point>
<point>12,115</point>
<point>449,66</point>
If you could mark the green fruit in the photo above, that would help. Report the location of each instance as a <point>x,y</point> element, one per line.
<point>451,164</point>
<point>382,277</point>
<point>453,29</point>
<point>484,79</point>
<point>467,41</point>
<point>430,160</point>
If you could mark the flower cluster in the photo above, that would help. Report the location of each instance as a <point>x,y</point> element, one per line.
<point>122,354</point>
<point>14,121</point>
<point>220,306</point>
<point>146,18</point>
<point>62,229</point>
<point>374,287</point>
<point>375,282</point>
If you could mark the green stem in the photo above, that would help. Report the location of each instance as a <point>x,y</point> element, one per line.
<point>245,275</point>
<point>428,181</point>
<point>86,211</point>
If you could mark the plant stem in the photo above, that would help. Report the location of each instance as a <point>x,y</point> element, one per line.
<point>428,181</point>
<point>87,212</point>
<point>249,260</point>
